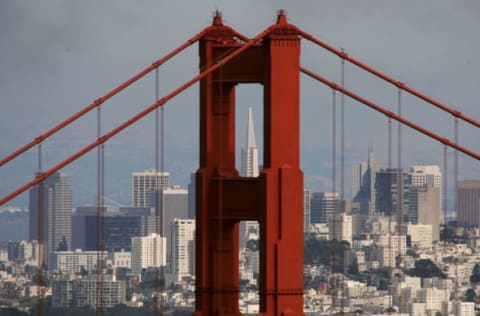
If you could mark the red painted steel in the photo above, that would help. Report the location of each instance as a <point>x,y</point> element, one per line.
<point>389,79</point>
<point>388,113</point>
<point>274,199</point>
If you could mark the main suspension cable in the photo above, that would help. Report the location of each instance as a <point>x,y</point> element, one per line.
<point>137,117</point>
<point>388,113</point>
<point>389,79</point>
<point>98,102</point>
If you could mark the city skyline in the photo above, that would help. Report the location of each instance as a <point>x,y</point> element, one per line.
<point>378,246</point>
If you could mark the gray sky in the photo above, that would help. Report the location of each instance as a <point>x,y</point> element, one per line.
<point>57,56</point>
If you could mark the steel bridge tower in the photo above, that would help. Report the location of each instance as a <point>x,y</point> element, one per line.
<point>274,199</point>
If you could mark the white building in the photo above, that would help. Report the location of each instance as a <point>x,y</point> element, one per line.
<point>148,251</point>
<point>433,298</point>
<point>426,175</point>
<point>143,183</point>
<point>68,262</point>
<point>250,169</point>
<point>320,231</point>
<point>341,227</point>
<point>122,259</point>
<point>420,235</point>
<point>183,248</point>
<point>464,308</point>
<point>390,247</point>
<point>29,250</point>
<point>83,292</point>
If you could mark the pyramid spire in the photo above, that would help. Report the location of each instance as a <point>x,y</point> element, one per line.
<point>251,143</point>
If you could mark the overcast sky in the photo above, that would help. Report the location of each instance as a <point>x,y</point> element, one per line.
<point>57,56</point>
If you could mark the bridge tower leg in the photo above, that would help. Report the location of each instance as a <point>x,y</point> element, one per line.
<point>274,199</point>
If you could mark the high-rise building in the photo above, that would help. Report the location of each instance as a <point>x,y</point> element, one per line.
<point>468,202</point>
<point>173,204</point>
<point>148,252</point>
<point>307,196</point>
<point>57,214</point>
<point>118,227</point>
<point>249,168</point>
<point>424,207</point>
<point>144,183</point>
<point>392,188</point>
<point>430,175</point>
<point>183,248</point>
<point>341,227</point>
<point>363,183</point>
<point>323,206</point>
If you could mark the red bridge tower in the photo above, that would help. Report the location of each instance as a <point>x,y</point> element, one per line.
<point>274,199</point>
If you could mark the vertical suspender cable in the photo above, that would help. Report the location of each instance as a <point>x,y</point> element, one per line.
<point>100,215</point>
<point>158,180</point>
<point>400,181</point>
<point>334,190</point>
<point>41,237</point>
<point>342,137</point>
<point>456,203</point>
<point>342,171</point>
<point>445,215</point>
<point>389,186</point>
<point>159,199</point>
<point>445,188</point>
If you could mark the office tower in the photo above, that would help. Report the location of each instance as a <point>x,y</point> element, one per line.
<point>148,252</point>
<point>249,168</point>
<point>183,248</point>
<point>468,202</point>
<point>173,204</point>
<point>323,206</point>
<point>307,196</point>
<point>341,227</point>
<point>430,175</point>
<point>143,183</point>
<point>118,227</point>
<point>363,183</point>
<point>424,207</point>
<point>388,193</point>
<point>57,213</point>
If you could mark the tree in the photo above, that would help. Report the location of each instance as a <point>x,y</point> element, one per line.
<point>425,268</point>
<point>475,277</point>
<point>470,295</point>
